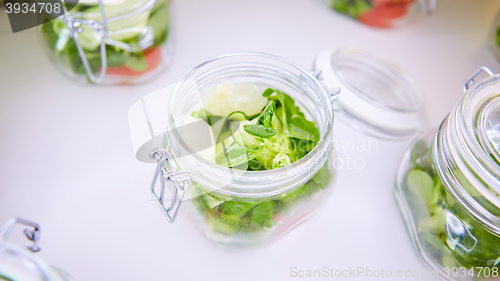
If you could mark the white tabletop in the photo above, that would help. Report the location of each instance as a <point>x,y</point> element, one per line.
<point>66,159</point>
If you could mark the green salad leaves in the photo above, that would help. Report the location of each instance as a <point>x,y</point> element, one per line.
<point>278,136</point>
<point>233,216</point>
<point>353,8</point>
<point>445,228</point>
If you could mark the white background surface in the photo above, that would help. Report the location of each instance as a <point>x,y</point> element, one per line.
<point>66,159</point>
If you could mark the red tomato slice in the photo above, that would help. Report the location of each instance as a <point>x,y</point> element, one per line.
<point>392,11</point>
<point>384,15</point>
<point>152,57</point>
<point>374,20</point>
<point>391,2</point>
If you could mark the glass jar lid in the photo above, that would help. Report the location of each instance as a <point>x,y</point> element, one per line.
<point>374,95</point>
<point>17,263</point>
<point>479,121</point>
<point>487,123</point>
<point>466,150</point>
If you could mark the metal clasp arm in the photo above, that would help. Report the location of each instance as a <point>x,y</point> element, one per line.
<point>102,28</point>
<point>471,81</point>
<point>32,235</point>
<point>180,180</point>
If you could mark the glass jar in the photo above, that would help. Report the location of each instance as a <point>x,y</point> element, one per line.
<point>240,207</point>
<point>17,263</point>
<point>110,42</point>
<point>382,13</point>
<point>448,187</point>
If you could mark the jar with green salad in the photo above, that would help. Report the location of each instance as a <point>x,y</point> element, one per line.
<point>246,139</point>
<point>268,163</point>
<point>448,187</point>
<point>110,41</point>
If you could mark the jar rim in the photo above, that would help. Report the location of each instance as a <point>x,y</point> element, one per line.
<point>376,96</point>
<point>394,71</point>
<point>258,183</point>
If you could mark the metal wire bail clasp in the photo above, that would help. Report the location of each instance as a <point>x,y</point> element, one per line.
<point>333,92</point>
<point>101,27</point>
<point>167,171</point>
<point>32,235</point>
<point>471,81</point>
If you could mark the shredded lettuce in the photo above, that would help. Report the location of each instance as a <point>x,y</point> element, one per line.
<point>352,8</point>
<point>276,137</point>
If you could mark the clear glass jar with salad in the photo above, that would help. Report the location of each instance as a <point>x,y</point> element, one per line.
<point>110,41</point>
<point>248,143</point>
<point>269,168</point>
<point>17,263</point>
<point>382,13</point>
<point>448,187</point>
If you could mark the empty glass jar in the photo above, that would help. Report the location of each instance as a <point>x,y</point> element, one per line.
<point>448,187</point>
